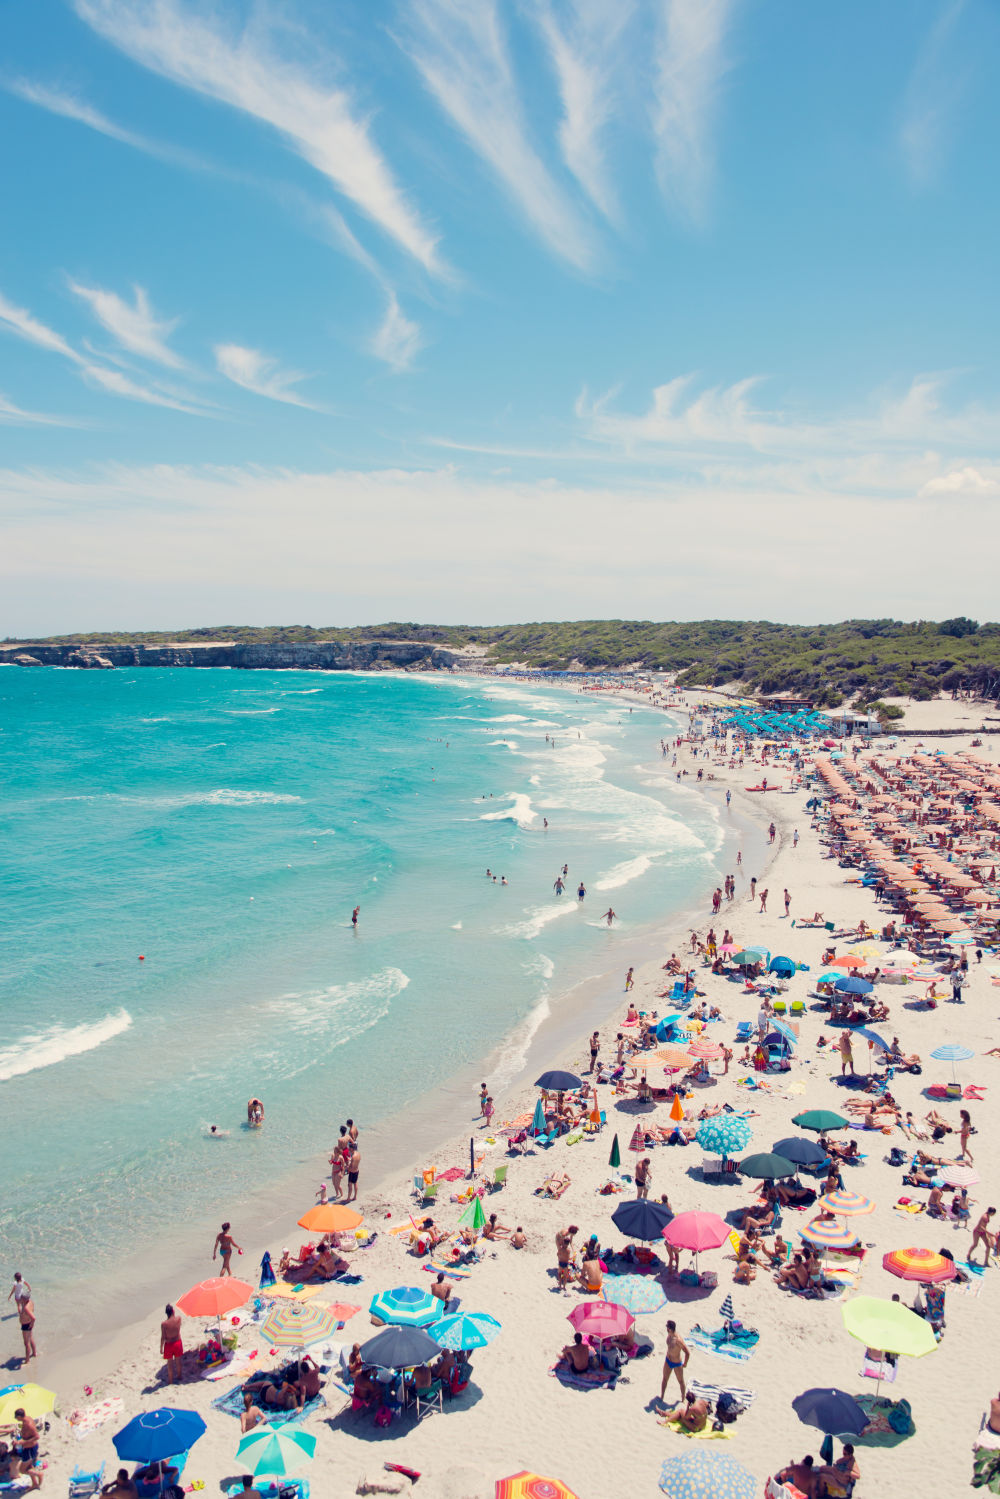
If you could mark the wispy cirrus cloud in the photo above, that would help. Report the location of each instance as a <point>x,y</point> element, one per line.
<point>234,65</point>
<point>397,339</point>
<point>260,374</point>
<point>117,383</point>
<point>133,324</point>
<point>932,97</point>
<point>59,102</point>
<point>583,37</point>
<point>16,416</point>
<point>20,321</point>
<point>460,50</point>
<point>690,62</point>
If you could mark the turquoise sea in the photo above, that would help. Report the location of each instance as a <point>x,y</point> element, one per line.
<point>180,852</point>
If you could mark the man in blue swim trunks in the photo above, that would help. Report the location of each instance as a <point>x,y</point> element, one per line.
<point>676,1361</point>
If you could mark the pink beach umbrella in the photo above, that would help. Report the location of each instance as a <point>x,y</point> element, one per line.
<point>710,1050</point>
<point>602,1319</point>
<point>637,1141</point>
<point>696,1231</point>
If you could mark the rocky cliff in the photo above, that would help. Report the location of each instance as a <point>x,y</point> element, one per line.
<point>361,655</point>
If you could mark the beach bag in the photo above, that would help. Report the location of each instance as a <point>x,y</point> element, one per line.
<point>383,1416</point>
<point>897,1157</point>
<point>727,1408</point>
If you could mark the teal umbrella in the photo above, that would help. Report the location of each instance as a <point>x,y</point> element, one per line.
<point>276,1452</point>
<point>820,1120</point>
<point>406,1306</point>
<point>465,1330</point>
<point>726,1134</point>
<point>615,1159</point>
<point>767,1165</point>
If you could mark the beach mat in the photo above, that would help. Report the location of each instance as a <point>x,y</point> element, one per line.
<point>457,1272</point>
<point>711,1392</point>
<point>590,1379</point>
<point>700,1339</point>
<point>232,1403</point>
<point>91,1417</point>
<point>707,1433</point>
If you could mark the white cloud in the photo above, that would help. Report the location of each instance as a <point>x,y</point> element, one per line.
<point>931,100</point>
<point>582,37</point>
<point>15,416</point>
<point>260,374</point>
<point>460,50</point>
<point>968,480</point>
<point>18,320</point>
<point>397,339</point>
<point>73,108</point>
<point>134,325</point>
<point>118,384</point>
<point>234,66</point>
<point>690,62</point>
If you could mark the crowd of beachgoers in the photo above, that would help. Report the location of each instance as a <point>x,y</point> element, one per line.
<point>743,1236</point>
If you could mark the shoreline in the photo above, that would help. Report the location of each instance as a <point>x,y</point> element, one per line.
<point>430,1124</point>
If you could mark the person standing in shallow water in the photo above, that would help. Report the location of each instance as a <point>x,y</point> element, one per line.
<point>354,917</point>
<point>582,891</point>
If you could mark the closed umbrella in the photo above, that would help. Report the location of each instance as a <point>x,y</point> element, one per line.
<point>677,1109</point>
<point>615,1158</point>
<point>702,1473</point>
<point>538,1125</point>
<point>473,1216</point>
<point>465,1330</point>
<point>638,1140</point>
<point>767,1166</point>
<point>802,1152</point>
<point>276,1452</point>
<point>400,1348</point>
<point>641,1219</point>
<point>922,1265</point>
<point>407,1306</point>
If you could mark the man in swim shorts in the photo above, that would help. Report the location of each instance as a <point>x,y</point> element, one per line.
<point>353,1168</point>
<point>676,1361</point>
<point>171,1346</point>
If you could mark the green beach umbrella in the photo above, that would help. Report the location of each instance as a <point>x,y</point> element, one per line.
<point>615,1158</point>
<point>473,1217</point>
<point>276,1452</point>
<point>820,1120</point>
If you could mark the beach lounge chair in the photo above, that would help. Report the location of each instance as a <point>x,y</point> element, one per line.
<point>744,1030</point>
<point>429,1192</point>
<point>432,1398</point>
<point>84,1482</point>
<point>499,1178</point>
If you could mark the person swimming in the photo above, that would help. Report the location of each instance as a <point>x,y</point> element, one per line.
<point>215,1133</point>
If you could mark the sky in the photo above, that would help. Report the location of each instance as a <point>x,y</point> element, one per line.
<point>482,311</point>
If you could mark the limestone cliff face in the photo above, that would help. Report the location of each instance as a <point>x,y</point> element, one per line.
<point>361,655</point>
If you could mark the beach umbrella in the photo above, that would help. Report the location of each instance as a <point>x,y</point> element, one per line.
<point>538,1125</point>
<point>473,1216</point>
<point>767,1166</point>
<point>959,1176</point>
<point>848,962</point>
<point>702,1473</point>
<point>728,947</point>
<point>696,1231</point>
<point>465,1330</point>
<point>330,1218</point>
<point>673,1057</point>
<point>820,1120</point>
<point>923,1265</point>
<point>888,1325</point>
<point>276,1452</point>
<point>532,1486</point>
<point>602,1319</point>
<point>153,1435</point>
<point>215,1297</point>
<point>638,1141</point>
<point>827,1234</point>
<point>639,1294</point>
<point>727,1310</point>
<point>829,978</point>
<point>846,1204</point>
<point>853,986</point>
<point>834,1412</point>
<point>639,1218</point>
<point>802,1152</point>
<point>710,1050</point>
<point>615,1158</point>
<point>725,1134</point>
<point>296,1324</point>
<point>558,1082</point>
<point>746,959</point>
<point>872,1037</point>
<point>784,1031</point>
<point>960,939</point>
<point>406,1306</point>
<point>400,1348</point>
<point>33,1399</point>
<point>952,1053</point>
<point>677,1109</point>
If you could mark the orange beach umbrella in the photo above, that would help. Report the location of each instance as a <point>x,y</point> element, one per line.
<point>215,1297</point>
<point>330,1218</point>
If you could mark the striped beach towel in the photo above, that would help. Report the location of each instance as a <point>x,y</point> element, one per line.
<point>711,1392</point>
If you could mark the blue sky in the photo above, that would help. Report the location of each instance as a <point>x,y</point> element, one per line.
<point>460,310</point>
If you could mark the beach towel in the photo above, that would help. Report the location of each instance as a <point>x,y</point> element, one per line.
<point>453,1174</point>
<point>454,1270</point>
<point>736,1353</point>
<point>232,1403</point>
<point>238,1364</point>
<point>973,1285</point>
<point>92,1416</point>
<point>295,1293</point>
<point>590,1379</point>
<point>711,1392</point>
<point>707,1433</point>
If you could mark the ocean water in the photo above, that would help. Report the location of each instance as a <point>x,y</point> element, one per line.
<point>180,852</point>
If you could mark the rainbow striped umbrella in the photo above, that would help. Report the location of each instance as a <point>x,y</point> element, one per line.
<point>296,1324</point>
<point>829,1235</point>
<point>846,1204</point>
<point>532,1486</point>
<point>919,1264</point>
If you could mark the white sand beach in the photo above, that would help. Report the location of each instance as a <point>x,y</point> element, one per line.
<point>608,1442</point>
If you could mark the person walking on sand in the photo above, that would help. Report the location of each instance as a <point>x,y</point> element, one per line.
<point>643,1176</point>
<point>595,1047</point>
<point>788,903</point>
<point>753,888</point>
<point>771,830</point>
<point>610,915</point>
<point>171,1345</point>
<point>353,1167</point>
<point>763,900</point>
<point>224,1245</point>
<point>846,1054</point>
<point>629,980</point>
<point>966,1130</point>
<point>676,1361</point>
<point>981,1235</point>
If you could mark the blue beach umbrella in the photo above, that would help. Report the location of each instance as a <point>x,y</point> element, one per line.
<point>406,1306</point>
<point>726,1134</point>
<point>870,1035</point>
<point>400,1348</point>
<point>785,1031</point>
<point>831,976</point>
<point>703,1474</point>
<point>832,1411</point>
<point>639,1294</point>
<point>641,1219</point>
<point>853,986</point>
<point>953,1052</point>
<point>276,1453</point>
<point>558,1082</point>
<point>465,1330</point>
<point>153,1435</point>
<point>800,1152</point>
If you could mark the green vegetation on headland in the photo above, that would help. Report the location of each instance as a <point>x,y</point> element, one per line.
<point>865,659</point>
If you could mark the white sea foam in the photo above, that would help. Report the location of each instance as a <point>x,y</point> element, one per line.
<point>301,691</point>
<point>345,1009</point>
<point>540,917</point>
<point>510,744</point>
<point>624,873</point>
<point>508,718</point>
<point>223,797</point>
<point>47,1047</point>
<point>249,712</point>
<point>513,1054</point>
<point>520,811</point>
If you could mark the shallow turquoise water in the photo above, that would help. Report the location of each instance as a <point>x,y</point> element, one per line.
<point>223,825</point>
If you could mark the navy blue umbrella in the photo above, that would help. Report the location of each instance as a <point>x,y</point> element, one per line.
<point>400,1348</point>
<point>802,1152</point>
<point>853,986</point>
<point>558,1082</point>
<point>158,1434</point>
<point>641,1219</point>
<point>832,1411</point>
